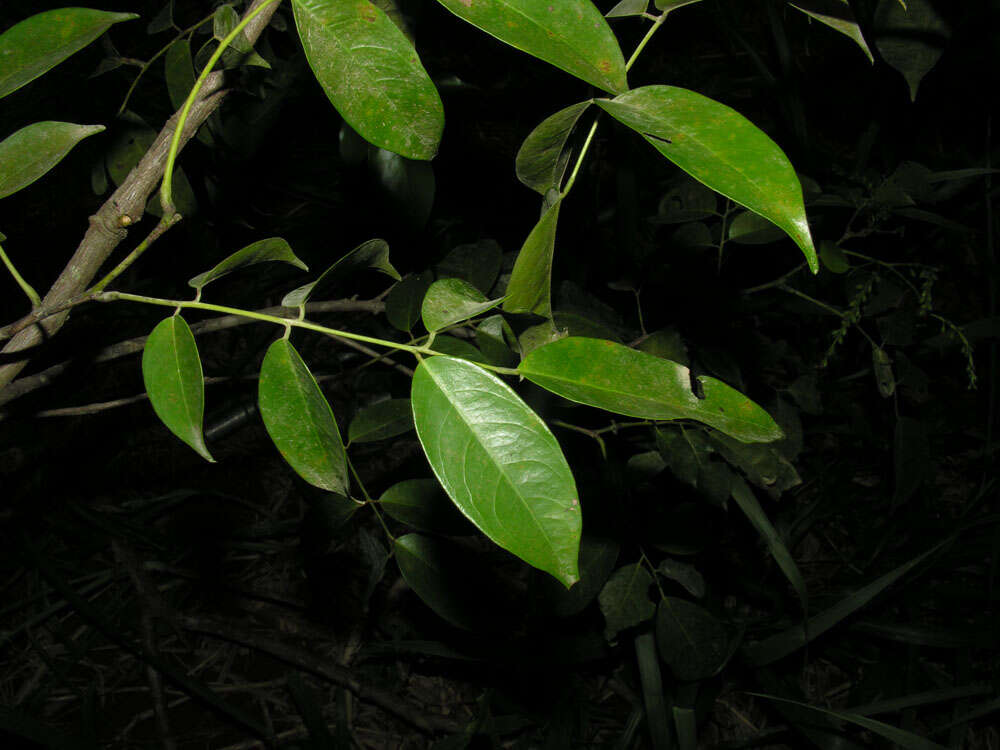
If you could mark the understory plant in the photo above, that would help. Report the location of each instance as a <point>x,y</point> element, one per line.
<point>499,351</point>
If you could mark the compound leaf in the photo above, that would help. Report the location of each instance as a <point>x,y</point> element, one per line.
<point>499,463</point>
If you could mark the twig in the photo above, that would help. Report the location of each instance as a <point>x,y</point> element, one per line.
<point>106,229</point>
<point>41,379</point>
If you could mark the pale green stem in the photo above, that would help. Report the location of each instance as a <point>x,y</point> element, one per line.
<point>166,190</point>
<point>27,288</point>
<point>288,323</point>
<point>657,22</point>
<point>164,224</point>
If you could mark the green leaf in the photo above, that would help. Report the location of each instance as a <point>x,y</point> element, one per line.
<point>324,521</point>
<point>898,736</point>
<point>179,72</point>
<point>497,341</point>
<point>570,34</point>
<point>750,506</point>
<point>35,149</point>
<point>542,159</point>
<point>882,367</point>
<point>597,560</point>
<point>171,371</point>
<point>694,643</point>
<point>402,304</point>
<point>39,43</point>
<point>381,420</point>
<point>625,381</point>
<point>300,421</point>
<point>499,463</point>
<point>530,287</point>
<point>836,14</point>
<point>422,504</point>
<point>628,8</point>
<point>370,254</point>
<point>911,40</point>
<point>722,149</point>
<point>666,343</point>
<point>262,251</point>
<point>371,74</point>
<point>625,600</point>
<point>477,262</point>
<point>450,301</point>
<point>445,578</point>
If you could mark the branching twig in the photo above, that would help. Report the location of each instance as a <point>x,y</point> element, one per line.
<point>131,346</point>
<point>106,229</point>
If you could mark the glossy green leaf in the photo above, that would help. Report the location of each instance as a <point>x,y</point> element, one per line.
<point>35,149</point>
<point>370,254</point>
<point>451,301</point>
<point>39,43</point>
<point>722,149</point>
<point>262,251</point>
<point>538,336</point>
<point>381,420</point>
<point>299,419</point>
<point>911,40</point>
<point>570,34</point>
<point>542,159</point>
<point>836,14</point>
<point>625,381</point>
<point>499,463</point>
<point>597,560</point>
<point>898,736</point>
<point>445,578</point>
<point>171,371</point>
<point>423,504</point>
<point>476,262</point>
<point>530,287</point>
<point>624,599</point>
<point>750,506</point>
<point>371,74</point>
<point>748,228</point>
<point>402,304</point>
<point>694,643</point>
